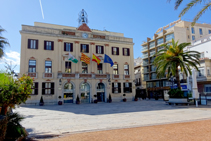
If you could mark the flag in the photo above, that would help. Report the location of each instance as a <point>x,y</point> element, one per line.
<point>85,58</point>
<point>72,58</point>
<point>107,59</point>
<point>96,59</point>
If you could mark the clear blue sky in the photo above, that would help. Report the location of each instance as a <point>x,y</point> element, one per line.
<point>137,19</point>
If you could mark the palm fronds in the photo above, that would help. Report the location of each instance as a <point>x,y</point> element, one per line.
<point>3,42</point>
<point>172,57</point>
<point>192,3</point>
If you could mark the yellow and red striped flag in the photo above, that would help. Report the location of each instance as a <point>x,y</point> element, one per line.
<point>96,59</point>
<point>85,58</point>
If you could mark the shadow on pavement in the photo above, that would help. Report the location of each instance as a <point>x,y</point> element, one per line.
<point>108,108</point>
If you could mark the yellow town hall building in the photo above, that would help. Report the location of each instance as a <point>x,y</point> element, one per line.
<point>45,52</point>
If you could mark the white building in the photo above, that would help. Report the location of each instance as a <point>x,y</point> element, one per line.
<point>203,45</point>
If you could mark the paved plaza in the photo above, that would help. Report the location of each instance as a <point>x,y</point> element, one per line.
<point>72,118</point>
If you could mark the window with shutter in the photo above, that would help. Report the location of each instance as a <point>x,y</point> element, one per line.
<point>126,51</point>
<point>127,87</point>
<point>47,88</point>
<point>48,45</point>
<point>32,44</point>
<point>32,66</point>
<point>100,68</point>
<point>116,88</point>
<point>68,47</point>
<point>68,67</point>
<point>119,87</point>
<point>84,48</point>
<point>34,88</point>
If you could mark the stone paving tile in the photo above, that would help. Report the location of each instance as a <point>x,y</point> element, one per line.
<point>55,119</point>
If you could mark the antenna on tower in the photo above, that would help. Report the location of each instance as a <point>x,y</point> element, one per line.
<point>82,17</point>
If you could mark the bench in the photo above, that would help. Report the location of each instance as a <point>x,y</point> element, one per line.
<point>176,103</point>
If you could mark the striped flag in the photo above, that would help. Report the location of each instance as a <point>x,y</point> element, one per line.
<point>96,59</point>
<point>85,58</point>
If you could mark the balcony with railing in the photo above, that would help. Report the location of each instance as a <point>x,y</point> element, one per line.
<point>68,75</point>
<point>160,41</point>
<point>151,44</point>
<point>153,68</point>
<point>169,37</point>
<point>32,74</point>
<point>145,62</point>
<point>86,76</point>
<point>146,77</point>
<point>146,70</point>
<point>144,48</point>
<point>152,53</point>
<point>101,76</point>
<point>160,48</point>
<point>152,60</point>
<point>115,76</point>
<point>154,76</point>
<point>48,75</point>
<point>126,77</point>
<point>145,55</point>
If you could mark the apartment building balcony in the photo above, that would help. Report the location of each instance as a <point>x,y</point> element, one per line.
<point>153,69</point>
<point>145,55</point>
<point>146,78</point>
<point>32,74</point>
<point>146,71</point>
<point>115,76</point>
<point>86,76</point>
<point>160,48</point>
<point>151,45</point>
<point>152,53</point>
<point>145,63</point>
<point>48,75</point>
<point>101,76</point>
<point>144,49</point>
<point>126,77</point>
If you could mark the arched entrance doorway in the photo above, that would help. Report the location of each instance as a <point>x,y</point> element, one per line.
<point>101,92</point>
<point>68,92</point>
<point>85,92</point>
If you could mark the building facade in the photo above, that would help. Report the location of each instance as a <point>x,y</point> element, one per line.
<point>202,45</point>
<point>181,31</point>
<point>44,56</point>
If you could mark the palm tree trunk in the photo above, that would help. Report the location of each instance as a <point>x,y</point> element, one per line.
<point>4,110</point>
<point>177,78</point>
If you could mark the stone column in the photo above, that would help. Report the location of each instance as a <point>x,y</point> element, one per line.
<point>91,62</point>
<point>77,56</point>
<point>60,55</point>
<point>106,64</point>
<point>77,69</point>
<point>92,69</point>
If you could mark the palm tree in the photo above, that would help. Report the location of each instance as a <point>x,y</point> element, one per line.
<point>207,5</point>
<point>172,57</point>
<point>3,42</point>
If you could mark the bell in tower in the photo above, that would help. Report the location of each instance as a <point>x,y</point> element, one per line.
<point>82,17</point>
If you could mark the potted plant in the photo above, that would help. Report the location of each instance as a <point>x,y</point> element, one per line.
<point>124,99</point>
<point>177,95</point>
<point>77,100</point>
<point>95,101</point>
<point>41,101</point>
<point>109,98</point>
<point>136,97</point>
<point>59,102</point>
